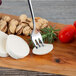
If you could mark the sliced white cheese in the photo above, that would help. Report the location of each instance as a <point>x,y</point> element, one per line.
<point>43,50</point>
<point>17,47</point>
<point>3,38</point>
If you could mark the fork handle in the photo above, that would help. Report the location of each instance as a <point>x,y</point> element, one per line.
<point>32,14</point>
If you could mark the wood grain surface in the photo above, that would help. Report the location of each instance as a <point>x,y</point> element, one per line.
<point>62,60</point>
<point>61,11</point>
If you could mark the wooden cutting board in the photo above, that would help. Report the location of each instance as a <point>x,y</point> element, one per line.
<point>62,60</point>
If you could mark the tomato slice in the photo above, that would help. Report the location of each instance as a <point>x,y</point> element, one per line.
<point>67,33</point>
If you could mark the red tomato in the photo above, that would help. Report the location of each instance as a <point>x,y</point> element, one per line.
<point>75,33</point>
<point>67,34</point>
<point>75,23</point>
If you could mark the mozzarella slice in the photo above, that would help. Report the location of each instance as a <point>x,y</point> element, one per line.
<point>43,50</point>
<point>3,38</point>
<point>17,47</point>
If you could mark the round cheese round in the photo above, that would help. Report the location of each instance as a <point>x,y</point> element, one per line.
<point>17,47</point>
<point>3,38</point>
<point>43,50</point>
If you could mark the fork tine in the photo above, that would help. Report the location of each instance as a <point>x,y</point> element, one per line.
<point>34,43</point>
<point>38,42</point>
<point>40,38</point>
<point>41,41</point>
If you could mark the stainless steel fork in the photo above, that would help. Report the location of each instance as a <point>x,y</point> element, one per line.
<point>36,37</point>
